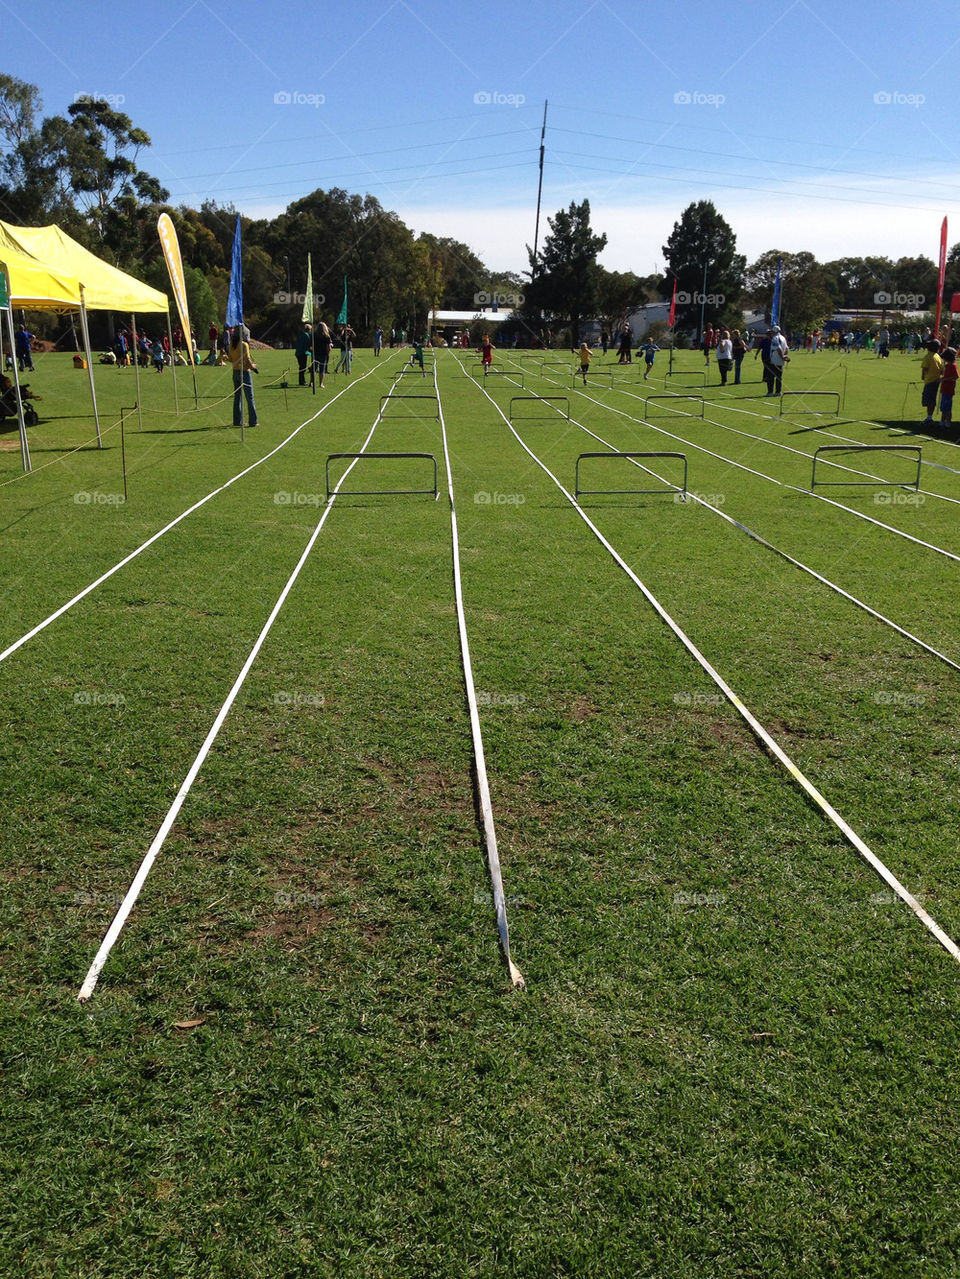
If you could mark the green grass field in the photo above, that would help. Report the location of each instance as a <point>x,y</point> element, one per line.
<point>737,1053</point>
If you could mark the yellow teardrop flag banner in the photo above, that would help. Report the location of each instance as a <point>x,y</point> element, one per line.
<point>171,253</point>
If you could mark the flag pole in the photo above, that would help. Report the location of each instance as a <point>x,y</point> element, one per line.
<point>173,365</point>
<point>136,364</point>
<point>24,446</point>
<point>85,330</point>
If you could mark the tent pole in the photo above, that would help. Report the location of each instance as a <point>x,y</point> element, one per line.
<point>24,446</point>
<point>136,363</point>
<point>173,365</point>
<point>85,329</point>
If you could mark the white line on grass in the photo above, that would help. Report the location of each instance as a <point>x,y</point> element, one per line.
<point>757,728</point>
<point>783,554</point>
<point>486,807</point>
<point>133,892</point>
<point>12,648</point>
<point>806,492</point>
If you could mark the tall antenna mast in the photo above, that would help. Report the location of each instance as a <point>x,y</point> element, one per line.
<point>536,229</point>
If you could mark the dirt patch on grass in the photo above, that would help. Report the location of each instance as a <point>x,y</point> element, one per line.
<point>583,708</point>
<point>423,784</point>
<point>731,732</point>
<point>293,924</point>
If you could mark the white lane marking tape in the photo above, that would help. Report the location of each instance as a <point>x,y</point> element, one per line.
<point>133,892</point>
<point>486,806</point>
<point>789,558</point>
<point>12,648</point>
<point>827,808</point>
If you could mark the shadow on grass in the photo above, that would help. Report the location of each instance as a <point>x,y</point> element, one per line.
<point>949,435</point>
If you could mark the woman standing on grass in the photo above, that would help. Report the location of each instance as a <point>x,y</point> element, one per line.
<point>739,351</point>
<point>346,349</point>
<point>239,356</point>
<point>322,342</point>
<point>724,355</point>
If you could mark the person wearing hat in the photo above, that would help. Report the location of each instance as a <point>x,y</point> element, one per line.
<point>779,356</point>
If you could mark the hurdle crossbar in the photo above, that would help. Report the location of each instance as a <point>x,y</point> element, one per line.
<point>867,448</point>
<point>696,399</point>
<point>407,399</point>
<point>540,399</point>
<point>515,375</point>
<point>671,488</point>
<point>809,395</point>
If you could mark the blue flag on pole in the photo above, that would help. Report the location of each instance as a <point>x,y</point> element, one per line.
<point>342,317</point>
<point>235,296</point>
<point>775,304</point>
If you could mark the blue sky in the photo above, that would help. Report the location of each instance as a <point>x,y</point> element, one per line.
<point>812,125</point>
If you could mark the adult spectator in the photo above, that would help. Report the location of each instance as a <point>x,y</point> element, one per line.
<point>930,372</point>
<point>239,356</point>
<point>778,357</point>
<point>322,342</point>
<point>213,336</point>
<point>724,355</point>
<point>625,348</point>
<point>302,351</point>
<point>22,341</point>
<point>739,349</point>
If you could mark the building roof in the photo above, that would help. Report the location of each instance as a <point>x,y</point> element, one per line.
<point>467,317</point>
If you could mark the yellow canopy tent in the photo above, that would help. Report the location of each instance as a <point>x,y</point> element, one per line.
<point>66,276</point>
<point>105,287</point>
<point>25,282</point>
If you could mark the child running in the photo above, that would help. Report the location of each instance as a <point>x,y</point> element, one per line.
<point>486,353</point>
<point>649,350</point>
<point>584,361</point>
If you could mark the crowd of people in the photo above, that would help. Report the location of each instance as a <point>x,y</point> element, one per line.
<point>315,343</point>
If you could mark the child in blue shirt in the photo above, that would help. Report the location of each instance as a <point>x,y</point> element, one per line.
<point>649,350</point>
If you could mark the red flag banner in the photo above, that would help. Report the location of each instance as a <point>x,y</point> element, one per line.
<point>942,275</point>
<point>673,305</point>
